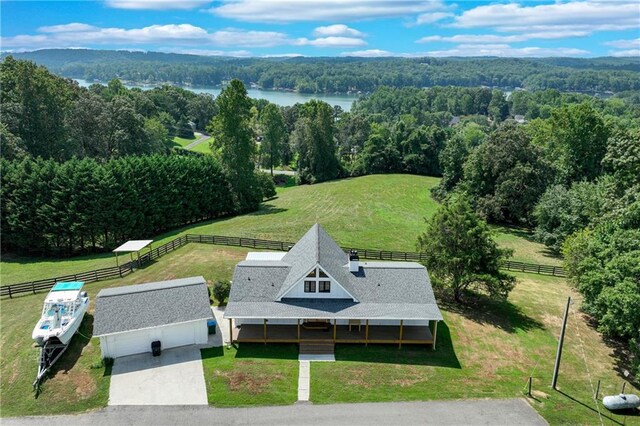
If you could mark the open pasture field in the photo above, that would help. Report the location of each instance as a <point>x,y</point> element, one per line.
<point>377,212</point>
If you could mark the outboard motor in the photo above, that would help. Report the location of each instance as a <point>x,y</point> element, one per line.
<point>83,294</point>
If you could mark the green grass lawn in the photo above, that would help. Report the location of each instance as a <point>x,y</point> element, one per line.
<point>486,351</point>
<point>202,147</point>
<point>251,374</point>
<point>183,141</point>
<point>377,212</point>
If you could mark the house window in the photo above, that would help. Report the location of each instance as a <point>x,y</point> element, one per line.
<point>322,274</point>
<point>325,287</point>
<point>309,286</point>
<point>312,274</point>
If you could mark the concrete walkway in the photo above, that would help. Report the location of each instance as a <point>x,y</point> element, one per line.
<point>304,381</point>
<point>465,412</point>
<point>222,331</point>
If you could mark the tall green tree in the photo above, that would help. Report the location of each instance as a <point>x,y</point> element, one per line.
<point>234,145</point>
<point>461,253</point>
<point>314,139</point>
<point>274,134</point>
<point>506,175</point>
<point>579,141</point>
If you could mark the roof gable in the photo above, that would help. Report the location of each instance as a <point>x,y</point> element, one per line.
<point>316,247</point>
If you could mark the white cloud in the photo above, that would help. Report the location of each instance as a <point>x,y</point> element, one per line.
<point>207,52</point>
<point>283,55</point>
<point>371,53</point>
<point>624,44</point>
<point>74,26</point>
<point>497,38</point>
<point>430,18</point>
<point>505,50</point>
<point>181,34</point>
<point>332,42</point>
<point>622,53</point>
<point>589,15</point>
<point>337,30</point>
<point>321,10</point>
<point>156,4</point>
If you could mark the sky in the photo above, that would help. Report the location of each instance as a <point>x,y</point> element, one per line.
<point>365,28</point>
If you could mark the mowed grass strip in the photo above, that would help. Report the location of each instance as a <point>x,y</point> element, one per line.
<point>378,212</point>
<point>78,381</point>
<point>251,374</point>
<point>486,351</point>
<point>183,141</point>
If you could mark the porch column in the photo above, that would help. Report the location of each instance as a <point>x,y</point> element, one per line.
<point>298,330</point>
<point>265,331</point>
<point>366,333</point>
<point>335,329</point>
<point>401,330</point>
<point>435,333</point>
<point>231,331</point>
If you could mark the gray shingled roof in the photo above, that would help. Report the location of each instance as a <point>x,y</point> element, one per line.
<point>141,306</point>
<point>392,290</point>
<point>315,247</point>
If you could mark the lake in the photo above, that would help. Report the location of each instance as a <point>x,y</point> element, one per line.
<point>274,96</point>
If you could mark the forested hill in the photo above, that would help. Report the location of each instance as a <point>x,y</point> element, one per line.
<point>316,75</point>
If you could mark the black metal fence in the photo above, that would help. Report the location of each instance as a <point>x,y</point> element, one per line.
<point>151,255</point>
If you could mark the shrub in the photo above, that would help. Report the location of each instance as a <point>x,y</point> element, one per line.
<point>221,290</point>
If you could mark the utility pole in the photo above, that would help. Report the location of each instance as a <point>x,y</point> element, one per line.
<point>554,381</point>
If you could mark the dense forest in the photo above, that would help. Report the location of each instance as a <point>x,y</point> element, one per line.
<point>330,75</point>
<point>85,168</point>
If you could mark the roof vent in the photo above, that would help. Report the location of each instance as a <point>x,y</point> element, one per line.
<point>354,261</point>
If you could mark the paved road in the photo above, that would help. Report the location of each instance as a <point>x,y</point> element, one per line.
<point>477,412</point>
<point>201,138</point>
<point>280,172</point>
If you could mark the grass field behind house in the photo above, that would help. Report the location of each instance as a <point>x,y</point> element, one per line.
<point>378,212</point>
<point>486,351</point>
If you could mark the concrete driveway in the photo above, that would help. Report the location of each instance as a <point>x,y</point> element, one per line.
<point>173,378</point>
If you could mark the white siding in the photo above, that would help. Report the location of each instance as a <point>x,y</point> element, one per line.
<point>260,321</point>
<point>139,341</point>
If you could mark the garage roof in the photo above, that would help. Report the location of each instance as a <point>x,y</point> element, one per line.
<point>141,306</point>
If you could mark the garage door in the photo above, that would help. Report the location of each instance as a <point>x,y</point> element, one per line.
<point>178,335</point>
<point>131,343</point>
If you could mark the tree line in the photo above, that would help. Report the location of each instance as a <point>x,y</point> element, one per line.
<point>47,116</point>
<point>330,75</point>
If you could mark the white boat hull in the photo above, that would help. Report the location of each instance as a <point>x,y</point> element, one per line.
<point>42,333</point>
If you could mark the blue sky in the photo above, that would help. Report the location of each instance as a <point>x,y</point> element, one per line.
<point>578,28</point>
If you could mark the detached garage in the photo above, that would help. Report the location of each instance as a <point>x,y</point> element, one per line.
<point>128,319</point>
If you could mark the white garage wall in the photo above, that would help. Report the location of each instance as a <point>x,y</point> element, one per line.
<point>139,341</point>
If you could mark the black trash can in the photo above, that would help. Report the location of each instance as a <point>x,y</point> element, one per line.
<point>156,348</point>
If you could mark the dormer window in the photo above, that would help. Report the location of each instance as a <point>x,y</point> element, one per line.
<point>309,286</point>
<point>324,287</point>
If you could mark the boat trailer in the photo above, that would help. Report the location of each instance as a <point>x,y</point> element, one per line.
<point>50,352</point>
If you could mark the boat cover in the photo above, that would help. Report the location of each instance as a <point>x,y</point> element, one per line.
<point>68,286</point>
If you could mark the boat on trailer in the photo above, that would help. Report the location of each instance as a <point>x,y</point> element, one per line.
<point>64,308</point>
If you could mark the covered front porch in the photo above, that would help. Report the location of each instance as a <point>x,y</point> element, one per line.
<point>360,332</point>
